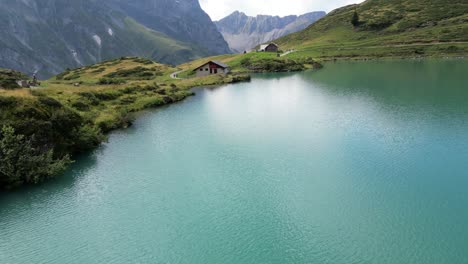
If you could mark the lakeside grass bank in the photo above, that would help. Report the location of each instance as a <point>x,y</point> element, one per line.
<point>72,112</point>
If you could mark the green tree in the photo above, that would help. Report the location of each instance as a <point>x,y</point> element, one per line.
<point>355,19</point>
<point>23,163</point>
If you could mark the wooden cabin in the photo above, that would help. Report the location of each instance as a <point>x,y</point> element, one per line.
<point>212,67</point>
<point>272,47</point>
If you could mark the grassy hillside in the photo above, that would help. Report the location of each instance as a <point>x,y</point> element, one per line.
<point>386,28</point>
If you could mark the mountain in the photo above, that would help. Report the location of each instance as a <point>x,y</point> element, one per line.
<point>244,32</point>
<point>386,28</point>
<point>47,36</point>
<point>183,20</point>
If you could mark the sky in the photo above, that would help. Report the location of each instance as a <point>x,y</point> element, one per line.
<point>218,9</point>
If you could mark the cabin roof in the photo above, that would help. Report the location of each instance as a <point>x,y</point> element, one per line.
<point>220,64</point>
<point>264,46</point>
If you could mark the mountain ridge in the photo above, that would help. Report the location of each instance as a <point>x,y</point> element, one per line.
<point>244,32</point>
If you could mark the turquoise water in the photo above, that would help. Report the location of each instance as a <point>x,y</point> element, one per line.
<point>356,163</point>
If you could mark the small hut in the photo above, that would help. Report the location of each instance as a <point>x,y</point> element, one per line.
<point>212,67</point>
<point>271,47</point>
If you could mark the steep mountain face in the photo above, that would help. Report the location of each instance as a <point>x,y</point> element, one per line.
<point>378,28</point>
<point>183,20</point>
<point>243,32</point>
<point>47,36</point>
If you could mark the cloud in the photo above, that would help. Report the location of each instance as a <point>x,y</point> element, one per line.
<point>218,9</point>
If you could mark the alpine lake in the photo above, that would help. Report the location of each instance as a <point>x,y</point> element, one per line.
<point>359,162</point>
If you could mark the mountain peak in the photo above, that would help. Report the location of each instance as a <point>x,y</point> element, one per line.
<point>244,32</point>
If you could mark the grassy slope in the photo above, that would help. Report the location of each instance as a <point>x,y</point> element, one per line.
<point>388,28</point>
<point>107,93</point>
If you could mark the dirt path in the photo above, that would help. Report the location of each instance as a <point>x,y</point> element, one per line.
<point>287,52</point>
<point>174,75</point>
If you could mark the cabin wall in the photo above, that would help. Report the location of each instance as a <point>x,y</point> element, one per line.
<point>271,48</point>
<point>208,69</point>
<point>203,71</point>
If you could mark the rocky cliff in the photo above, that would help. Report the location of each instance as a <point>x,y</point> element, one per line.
<point>244,32</point>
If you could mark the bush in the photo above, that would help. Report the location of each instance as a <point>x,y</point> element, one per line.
<point>21,162</point>
<point>7,101</point>
<point>88,137</point>
<point>107,95</point>
<point>74,76</point>
<point>93,100</point>
<point>99,70</point>
<point>80,106</point>
<point>143,61</point>
<point>139,73</point>
<point>62,75</point>
<point>245,62</point>
<point>9,84</point>
<point>275,65</point>
<point>109,81</point>
<point>50,102</point>
<point>355,19</point>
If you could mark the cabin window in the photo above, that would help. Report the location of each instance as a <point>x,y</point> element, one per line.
<point>215,71</point>
<point>201,69</point>
<point>206,69</point>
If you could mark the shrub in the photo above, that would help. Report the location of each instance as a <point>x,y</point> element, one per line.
<point>139,73</point>
<point>245,62</point>
<point>128,100</point>
<point>80,105</point>
<point>73,76</point>
<point>109,81</point>
<point>99,70</point>
<point>91,97</point>
<point>355,19</point>
<point>88,137</point>
<point>22,162</point>
<point>107,95</point>
<point>7,101</point>
<point>49,101</point>
<point>8,84</point>
<point>143,61</point>
<point>63,74</point>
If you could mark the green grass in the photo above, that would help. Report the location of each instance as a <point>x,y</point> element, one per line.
<point>390,28</point>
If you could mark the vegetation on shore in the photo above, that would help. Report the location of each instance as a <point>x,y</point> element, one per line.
<point>254,62</point>
<point>41,129</point>
<point>385,28</point>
